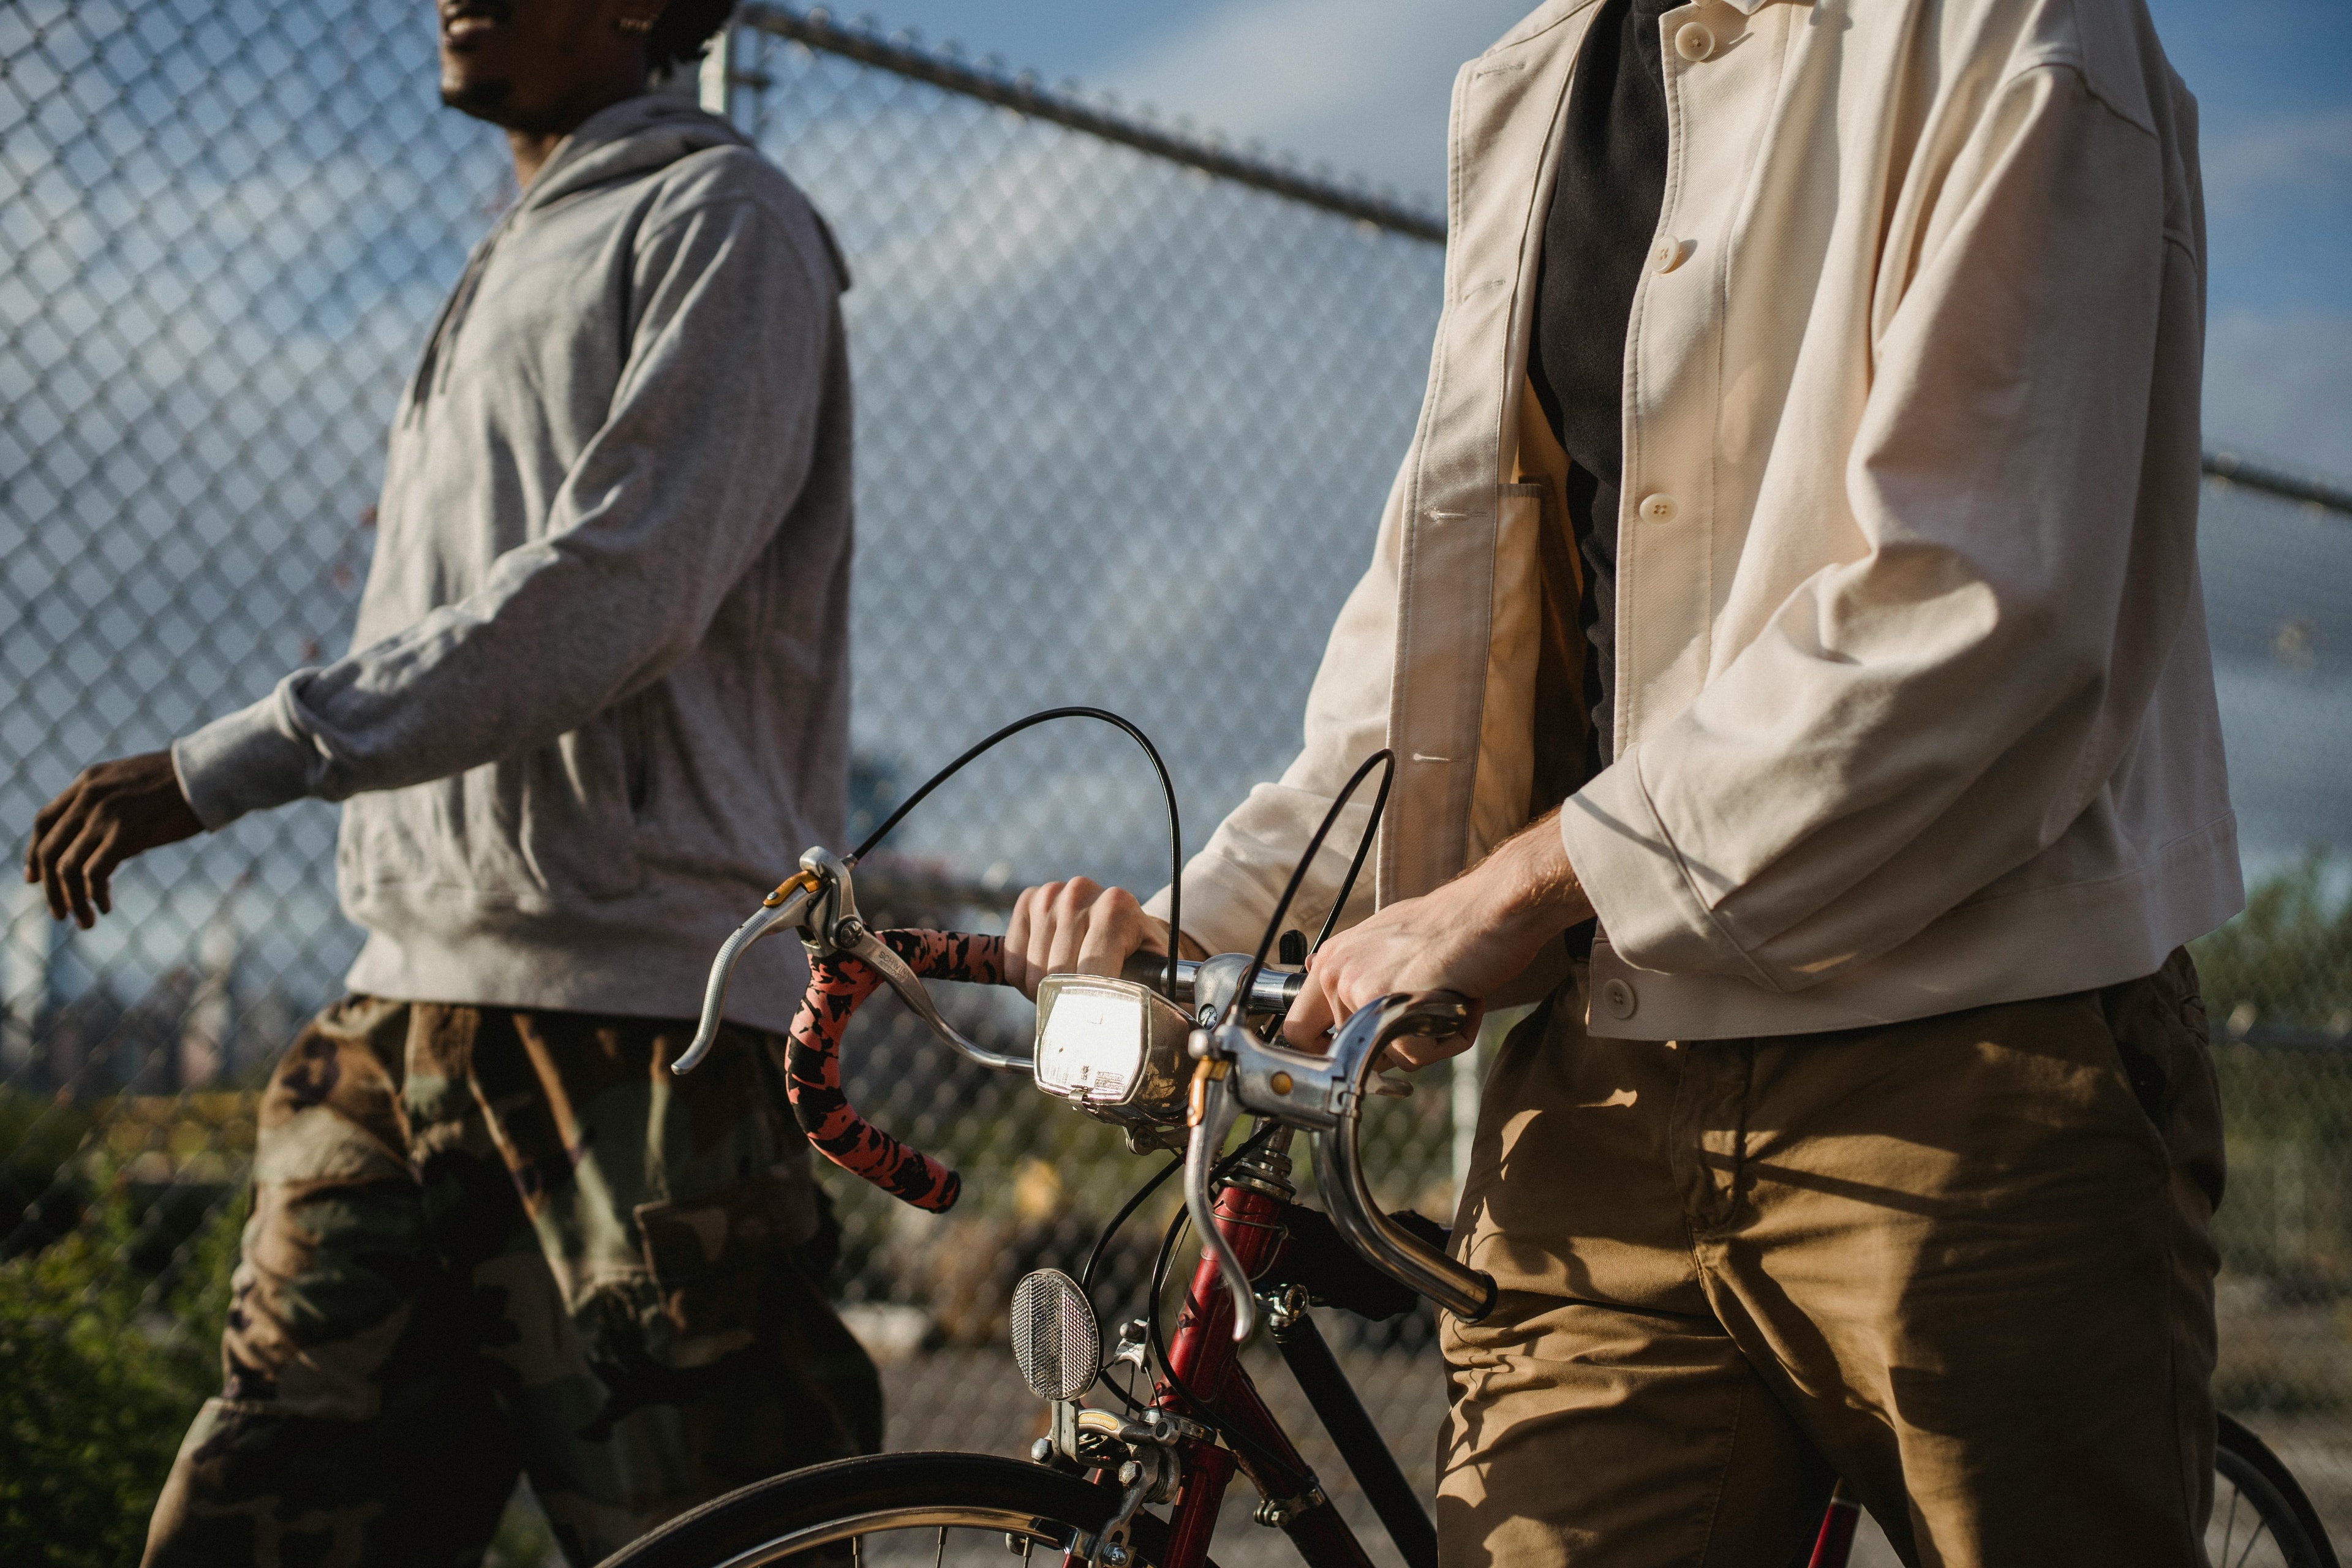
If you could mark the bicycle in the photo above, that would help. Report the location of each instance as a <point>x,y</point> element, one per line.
<point>1175,1066</point>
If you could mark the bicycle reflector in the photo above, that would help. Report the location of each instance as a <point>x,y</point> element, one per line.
<point>1055,1337</point>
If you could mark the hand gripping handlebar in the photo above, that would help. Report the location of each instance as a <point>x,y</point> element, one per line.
<point>1236,1074</point>
<point>1324,1095</point>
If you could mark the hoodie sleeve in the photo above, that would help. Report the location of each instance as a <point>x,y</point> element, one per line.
<point>711,435</point>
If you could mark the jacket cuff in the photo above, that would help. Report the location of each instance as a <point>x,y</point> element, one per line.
<point>1218,901</point>
<point>1629,868</point>
<point>248,761</point>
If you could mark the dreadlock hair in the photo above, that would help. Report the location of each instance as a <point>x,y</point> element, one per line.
<point>682,31</point>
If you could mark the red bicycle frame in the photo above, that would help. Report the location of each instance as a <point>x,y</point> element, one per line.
<point>1201,1355</point>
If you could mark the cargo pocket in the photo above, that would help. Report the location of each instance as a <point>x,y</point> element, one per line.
<point>712,1257</point>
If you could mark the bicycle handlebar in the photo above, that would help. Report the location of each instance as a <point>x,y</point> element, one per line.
<point>1208,983</point>
<point>838,984</point>
<point>1324,1094</point>
<point>1235,1071</point>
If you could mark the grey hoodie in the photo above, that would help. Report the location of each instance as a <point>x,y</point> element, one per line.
<point>597,701</point>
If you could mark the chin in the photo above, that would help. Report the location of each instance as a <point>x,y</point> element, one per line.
<point>489,98</point>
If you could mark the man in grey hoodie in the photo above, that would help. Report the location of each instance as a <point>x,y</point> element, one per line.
<point>597,693</point>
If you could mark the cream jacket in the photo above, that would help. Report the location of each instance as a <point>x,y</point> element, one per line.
<point>1915,708</point>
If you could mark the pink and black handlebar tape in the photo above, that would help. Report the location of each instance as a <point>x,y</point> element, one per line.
<point>838,984</point>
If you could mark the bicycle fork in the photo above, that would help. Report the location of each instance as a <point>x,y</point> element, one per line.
<point>1202,1357</point>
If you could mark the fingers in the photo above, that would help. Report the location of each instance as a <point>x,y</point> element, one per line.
<point>43,820</point>
<point>1028,937</point>
<point>1312,1015</point>
<point>55,830</point>
<point>1114,928</point>
<point>1071,908</point>
<point>1414,1052</point>
<point>1077,927</point>
<point>75,865</point>
<point>53,888</point>
<point>1016,942</point>
<point>111,849</point>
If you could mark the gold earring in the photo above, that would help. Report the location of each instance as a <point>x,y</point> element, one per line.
<point>633,24</point>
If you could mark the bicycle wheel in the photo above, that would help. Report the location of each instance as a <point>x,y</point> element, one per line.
<point>2260,1518</point>
<point>894,1511</point>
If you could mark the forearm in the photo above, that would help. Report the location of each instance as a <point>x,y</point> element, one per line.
<point>1474,935</point>
<point>1533,886</point>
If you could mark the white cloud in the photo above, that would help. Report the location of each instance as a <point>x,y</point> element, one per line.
<point>2282,384</point>
<point>2295,157</point>
<point>1362,85</point>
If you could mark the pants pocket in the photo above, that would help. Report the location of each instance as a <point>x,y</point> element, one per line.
<point>708,1257</point>
<point>2164,1045</point>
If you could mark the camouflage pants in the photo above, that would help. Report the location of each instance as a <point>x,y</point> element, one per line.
<point>488,1242</point>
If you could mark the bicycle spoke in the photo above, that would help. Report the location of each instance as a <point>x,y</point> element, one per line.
<point>856,1551</point>
<point>2260,1531</point>
<point>2230,1525</point>
<point>939,1558</point>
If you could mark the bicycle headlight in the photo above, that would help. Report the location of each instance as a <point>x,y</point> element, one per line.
<point>1112,1047</point>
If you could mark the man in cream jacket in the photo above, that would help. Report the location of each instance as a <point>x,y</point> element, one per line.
<point>1794,567</point>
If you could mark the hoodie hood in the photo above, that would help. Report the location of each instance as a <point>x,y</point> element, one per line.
<point>626,141</point>
<point>632,137</point>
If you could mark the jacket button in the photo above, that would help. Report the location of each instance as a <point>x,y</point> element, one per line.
<point>1618,999</point>
<point>1666,255</point>
<point>1659,508</point>
<point>1693,41</point>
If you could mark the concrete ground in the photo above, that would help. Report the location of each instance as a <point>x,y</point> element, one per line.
<point>973,1400</point>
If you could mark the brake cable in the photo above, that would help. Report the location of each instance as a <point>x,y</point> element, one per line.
<point>1166,790</point>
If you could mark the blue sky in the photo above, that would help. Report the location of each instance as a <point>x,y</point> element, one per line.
<point>1362,86</point>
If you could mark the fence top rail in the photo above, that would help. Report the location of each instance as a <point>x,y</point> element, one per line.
<point>2255,475</point>
<point>816,28</point>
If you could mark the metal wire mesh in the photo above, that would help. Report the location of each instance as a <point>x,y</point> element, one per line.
<point>1124,429</point>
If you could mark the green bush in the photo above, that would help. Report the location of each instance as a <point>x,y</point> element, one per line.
<point>41,1194</point>
<point>101,1371</point>
<point>2286,962</point>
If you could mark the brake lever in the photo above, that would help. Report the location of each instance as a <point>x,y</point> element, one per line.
<point>787,908</point>
<point>850,936</point>
<point>1218,1109</point>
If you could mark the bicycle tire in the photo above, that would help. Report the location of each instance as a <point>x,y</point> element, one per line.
<point>807,1511</point>
<point>2247,1472</point>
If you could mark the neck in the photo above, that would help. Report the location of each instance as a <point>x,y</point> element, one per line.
<point>532,148</point>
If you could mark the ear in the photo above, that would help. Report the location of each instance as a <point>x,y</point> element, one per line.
<point>636,18</point>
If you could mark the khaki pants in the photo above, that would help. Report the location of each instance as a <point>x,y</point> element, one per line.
<point>1962,1263</point>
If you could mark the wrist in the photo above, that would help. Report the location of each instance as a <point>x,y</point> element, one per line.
<point>1539,890</point>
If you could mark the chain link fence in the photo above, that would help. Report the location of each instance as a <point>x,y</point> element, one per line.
<point>1129,402</point>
